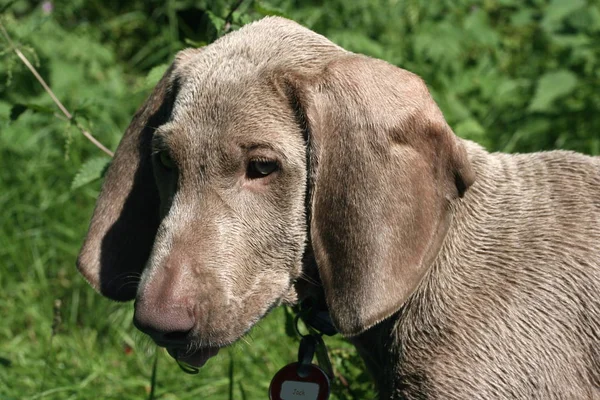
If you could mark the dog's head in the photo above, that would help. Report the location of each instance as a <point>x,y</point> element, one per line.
<point>252,150</point>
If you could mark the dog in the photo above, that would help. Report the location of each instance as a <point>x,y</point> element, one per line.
<point>274,158</point>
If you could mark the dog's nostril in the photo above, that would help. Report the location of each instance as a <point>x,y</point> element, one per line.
<point>163,334</point>
<point>177,336</point>
<point>164,326</point>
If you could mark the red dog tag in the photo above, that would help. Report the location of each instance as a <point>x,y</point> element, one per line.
<point>287,384</point>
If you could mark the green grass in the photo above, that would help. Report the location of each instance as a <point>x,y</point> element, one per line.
<point>511,75</point>
<point>88,357</point>
<point>42,225</point>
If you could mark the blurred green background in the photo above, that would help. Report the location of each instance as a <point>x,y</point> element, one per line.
<point>513,75</point>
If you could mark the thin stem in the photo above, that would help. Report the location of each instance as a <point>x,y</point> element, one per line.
<point>153,377</point>
<point>41,80</point>
<point>229,17</point>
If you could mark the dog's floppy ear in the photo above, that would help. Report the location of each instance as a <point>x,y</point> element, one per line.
<point>126,218</point>
<point>385,168</point>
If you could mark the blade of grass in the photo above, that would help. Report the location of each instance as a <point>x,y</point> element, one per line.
<point>56,321</point>
<point>231,375</point>
<point>153,377</point>
<point>242,391</point>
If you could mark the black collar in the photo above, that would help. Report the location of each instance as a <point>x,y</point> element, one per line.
<point>316,317</point>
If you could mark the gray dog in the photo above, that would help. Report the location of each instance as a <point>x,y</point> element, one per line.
<point>274,158</point>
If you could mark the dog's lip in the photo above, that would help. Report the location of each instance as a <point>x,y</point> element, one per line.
<point>195,358</point>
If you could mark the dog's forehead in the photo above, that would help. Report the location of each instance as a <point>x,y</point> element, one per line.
<point>217,115</point>
<point>224,94</point>
<point>215,91</point>
<point>214,111</point>
<point>224,69</point>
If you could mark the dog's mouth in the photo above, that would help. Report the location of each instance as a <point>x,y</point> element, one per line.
<point>195,358</point>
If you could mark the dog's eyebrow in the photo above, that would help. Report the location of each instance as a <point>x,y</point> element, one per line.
<point>254,145</point>
<point>268,147</point>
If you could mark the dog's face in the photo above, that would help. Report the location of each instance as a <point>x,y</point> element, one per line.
<point>270,141</point>
<point>230,168</point>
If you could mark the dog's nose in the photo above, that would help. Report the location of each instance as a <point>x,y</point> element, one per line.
<point>165,326</point>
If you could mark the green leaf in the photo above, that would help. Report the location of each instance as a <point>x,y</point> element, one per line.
<point>6,6</point>
<point>552,86</point>
<point>217,21</point>
<point>155,74</point>
<point>290,322</point>
<point>557,11</point>
<point>522,17</point>
<point>193,43</point>
<point>16,111</point>
<point>20,108</point>
<point>477,25</point>
<point>579,41</point>
<point>453,106</point>
<point>358,42</point>
<point>91,170</point>
<point>267,9</point>
<point>470,129</point>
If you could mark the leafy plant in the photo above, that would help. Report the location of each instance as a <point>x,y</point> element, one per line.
<point>513,75</point>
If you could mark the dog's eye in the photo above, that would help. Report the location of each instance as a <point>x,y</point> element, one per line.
<point>165,160</point>
<point>261,168</point>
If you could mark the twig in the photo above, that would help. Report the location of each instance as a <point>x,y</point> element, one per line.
<point>229,17</point>
<point>51,93</point>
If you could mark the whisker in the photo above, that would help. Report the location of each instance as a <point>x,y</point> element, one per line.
<point>310,280</point>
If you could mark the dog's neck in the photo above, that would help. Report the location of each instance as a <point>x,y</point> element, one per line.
<point>395,342</point>
<point>372,345</point>
<point>382,345</point>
